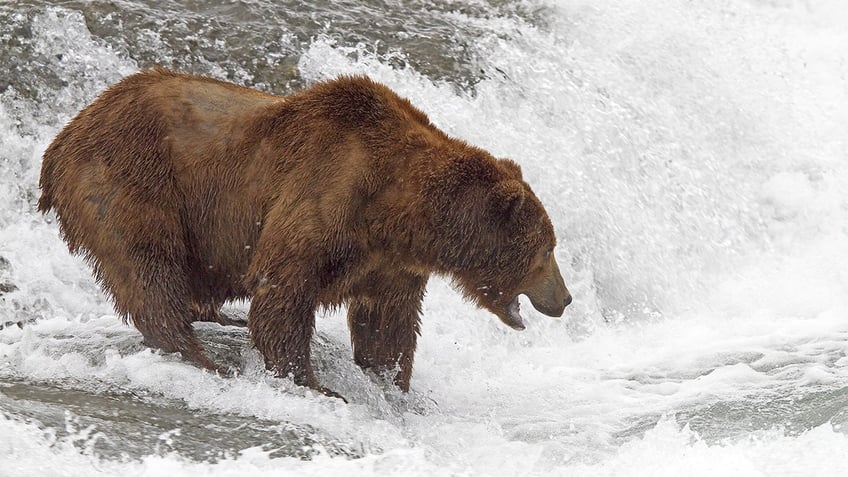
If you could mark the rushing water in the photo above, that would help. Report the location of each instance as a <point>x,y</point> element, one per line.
<point>693,156</point>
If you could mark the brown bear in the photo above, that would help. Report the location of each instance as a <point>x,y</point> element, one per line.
<point>184,192</point>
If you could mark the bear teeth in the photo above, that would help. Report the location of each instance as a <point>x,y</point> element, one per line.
<point>513,315</point>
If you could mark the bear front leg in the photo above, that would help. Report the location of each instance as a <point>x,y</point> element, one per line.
<point>384,326</point>
<point>281,323</point>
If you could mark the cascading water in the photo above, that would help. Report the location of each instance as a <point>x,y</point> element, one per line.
<point>693,157</point>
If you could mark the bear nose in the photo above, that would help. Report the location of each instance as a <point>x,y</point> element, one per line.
<point>567,301</point>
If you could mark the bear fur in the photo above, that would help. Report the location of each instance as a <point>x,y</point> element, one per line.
<point>184,192</point>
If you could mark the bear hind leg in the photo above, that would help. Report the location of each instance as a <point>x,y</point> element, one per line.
<point>148,288</point>
<point>177,339</point>
<point>211,313</point>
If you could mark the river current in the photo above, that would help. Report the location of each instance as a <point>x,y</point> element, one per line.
<point>693,157</point>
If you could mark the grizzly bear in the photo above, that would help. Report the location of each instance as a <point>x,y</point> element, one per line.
<point>185,192</point>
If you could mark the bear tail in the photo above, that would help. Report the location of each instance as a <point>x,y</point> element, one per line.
<point>45,182</point>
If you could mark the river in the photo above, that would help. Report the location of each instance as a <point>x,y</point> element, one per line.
<point>693,157</point>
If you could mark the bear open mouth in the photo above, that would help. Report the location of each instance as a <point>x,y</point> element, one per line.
<point>512,317</point>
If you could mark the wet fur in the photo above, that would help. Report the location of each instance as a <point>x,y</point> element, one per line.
<point>184,192</point>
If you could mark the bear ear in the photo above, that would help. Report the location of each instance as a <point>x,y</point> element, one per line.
<point>506,199</point>
<point>511,167</point>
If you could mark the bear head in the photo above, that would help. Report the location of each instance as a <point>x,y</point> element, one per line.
<point>494,237</point>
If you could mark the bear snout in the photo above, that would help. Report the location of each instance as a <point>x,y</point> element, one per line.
<point>551,306</point>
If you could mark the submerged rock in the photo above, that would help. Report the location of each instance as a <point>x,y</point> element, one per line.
<point>6,284</point>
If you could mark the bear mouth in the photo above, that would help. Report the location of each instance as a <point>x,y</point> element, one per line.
<point>512,316</point>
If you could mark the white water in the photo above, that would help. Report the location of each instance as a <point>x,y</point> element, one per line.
<point>693,157</point>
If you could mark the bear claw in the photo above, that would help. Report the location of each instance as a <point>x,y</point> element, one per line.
<point>330,393</point>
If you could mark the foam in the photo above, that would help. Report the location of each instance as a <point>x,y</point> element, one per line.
<point>694,168</point>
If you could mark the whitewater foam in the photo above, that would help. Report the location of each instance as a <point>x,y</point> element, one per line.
<point>692,158</point>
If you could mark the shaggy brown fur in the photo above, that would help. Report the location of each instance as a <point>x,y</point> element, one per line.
<point>184,192</point>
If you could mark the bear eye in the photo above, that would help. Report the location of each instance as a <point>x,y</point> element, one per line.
<point>547,253</point>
